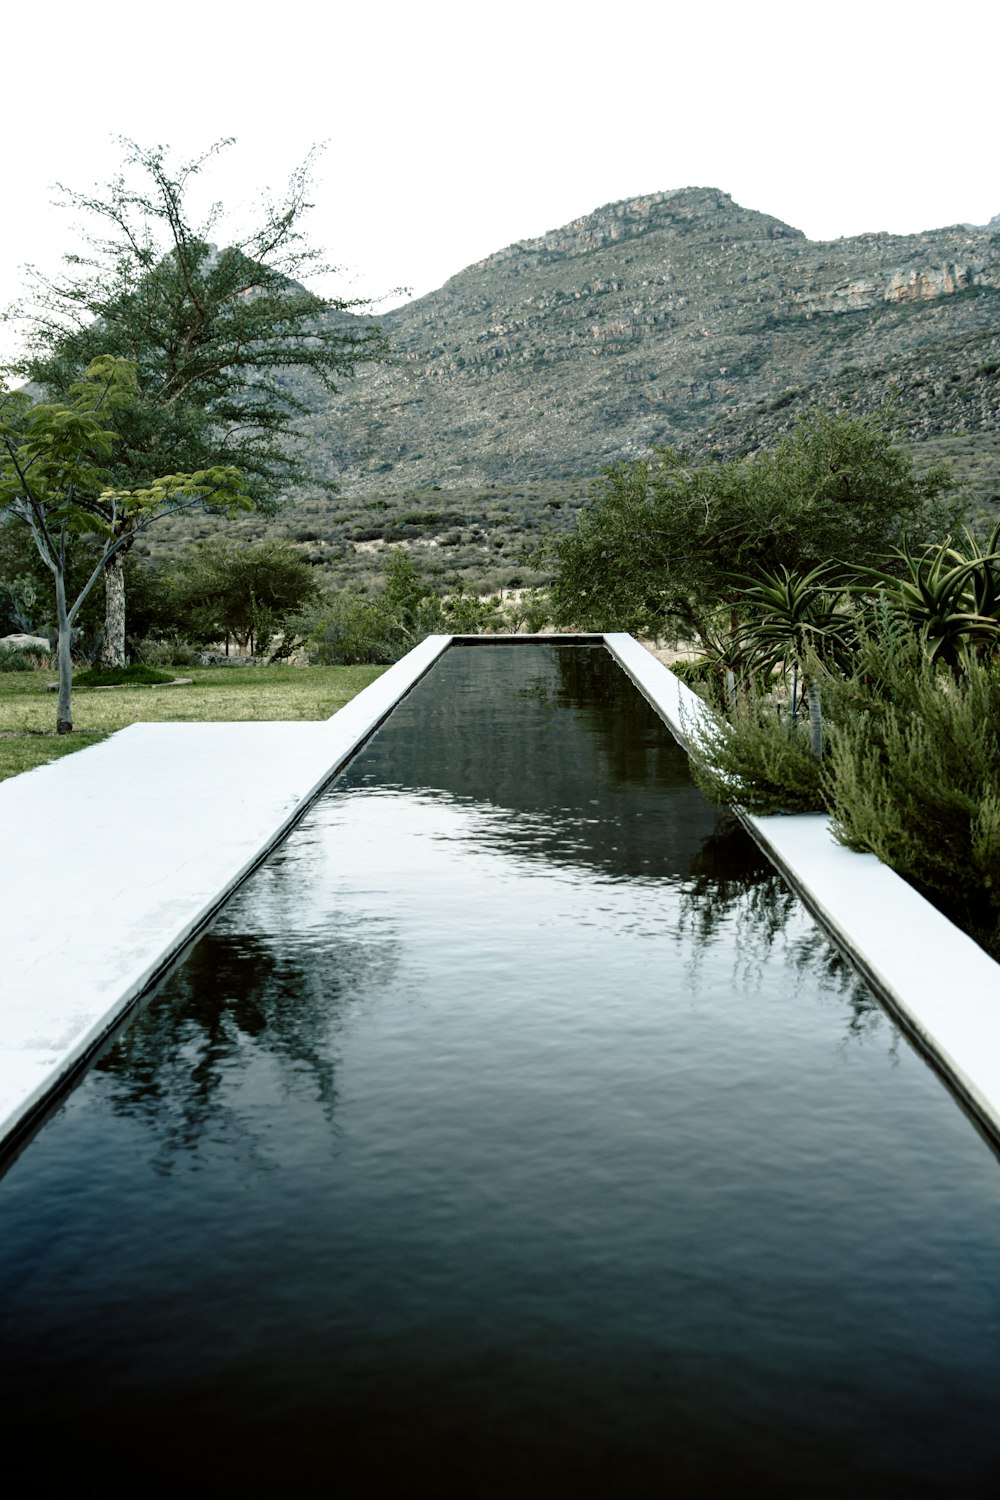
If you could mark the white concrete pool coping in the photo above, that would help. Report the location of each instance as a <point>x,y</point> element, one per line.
<point>114,857</point>
<point>941,986</point>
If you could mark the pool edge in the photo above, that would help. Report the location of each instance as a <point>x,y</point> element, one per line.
<point>940,986</point>
<point>69,1029</point>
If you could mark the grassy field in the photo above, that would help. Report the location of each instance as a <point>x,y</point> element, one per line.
<point>28,710</point>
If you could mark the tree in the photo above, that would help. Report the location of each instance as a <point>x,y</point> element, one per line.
<point>226,344</point>
<point>54,468</point>
<point>660,541</point>
<point>244,592</point>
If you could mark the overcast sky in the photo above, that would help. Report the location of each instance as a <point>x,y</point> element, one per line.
<point>454,129</point>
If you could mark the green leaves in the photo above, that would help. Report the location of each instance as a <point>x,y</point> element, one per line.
<point>659,542</point>
<point>226,345</point>
<point>218,488</point>
<point>950,599</point>
<point>787,617</point>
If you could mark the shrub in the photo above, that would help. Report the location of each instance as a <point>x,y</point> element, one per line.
<point>20,659</point>
<point>24,657</point>
<point>167,652</point>
<point>353,629</point>
<point>757,757</point>
<point>694,670</point>
<point>913,776</point>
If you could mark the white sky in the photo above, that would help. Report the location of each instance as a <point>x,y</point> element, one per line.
<point>456,128</point>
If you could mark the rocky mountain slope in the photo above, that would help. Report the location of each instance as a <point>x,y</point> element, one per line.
<point>675,318</point>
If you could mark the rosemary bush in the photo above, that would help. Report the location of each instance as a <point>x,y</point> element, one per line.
<point>913,776</point>
<point>757,757</point>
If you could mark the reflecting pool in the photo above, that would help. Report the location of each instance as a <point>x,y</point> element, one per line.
<point>512,1130</point>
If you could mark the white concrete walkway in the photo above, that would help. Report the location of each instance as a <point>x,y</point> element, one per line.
<point>112,857</point>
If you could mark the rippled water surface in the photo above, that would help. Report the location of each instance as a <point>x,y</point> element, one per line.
<point>512,1131</point>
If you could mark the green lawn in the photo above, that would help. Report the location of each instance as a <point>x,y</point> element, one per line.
<point>28,711</point>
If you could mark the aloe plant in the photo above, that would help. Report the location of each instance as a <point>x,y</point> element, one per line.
<point>951,599</point>
<point>795,618</point>
<point>792,616</point>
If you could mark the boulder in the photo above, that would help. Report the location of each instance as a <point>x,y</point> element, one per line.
<point>26,643</point>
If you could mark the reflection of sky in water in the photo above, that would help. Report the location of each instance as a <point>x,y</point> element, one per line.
<point>526,1137</point>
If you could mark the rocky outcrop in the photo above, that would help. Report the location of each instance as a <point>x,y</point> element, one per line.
<point>661,319</point>
<point>21,642</point>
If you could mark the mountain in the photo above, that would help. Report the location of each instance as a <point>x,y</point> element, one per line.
<point>675,318</point>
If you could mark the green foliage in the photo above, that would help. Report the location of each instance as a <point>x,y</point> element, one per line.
<point>210,339</point>
<point>659,543</point>
<point>910,771</point>
<point>53,479</point>
<point>351,629</point>
<point>466,614</point>
<point>247,593</point>
<point>166,651</point>
<point>211,335</point>
<point>354,628</point>
<point>57,463</point>
<point>788,616</point>
<point>27,599</point>
<point>951,598</point>
<point>913,776</point>
<point>695,671</point>
<point>350,626</point>
<point>757,757</point>
<point>19,659</point>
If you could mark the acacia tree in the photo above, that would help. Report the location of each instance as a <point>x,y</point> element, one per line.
<point>659,543</point>
<point>54,467</point>
<point>227,345</point>
<point>245,592</point>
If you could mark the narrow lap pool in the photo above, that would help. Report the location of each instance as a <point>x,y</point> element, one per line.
<point>512,1130</point>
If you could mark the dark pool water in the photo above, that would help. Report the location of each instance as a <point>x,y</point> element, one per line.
<point>512,1131</point>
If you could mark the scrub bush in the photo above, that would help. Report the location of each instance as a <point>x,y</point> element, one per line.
<point>20,659</point>
<point>758,757</point>
<point>913,776</point>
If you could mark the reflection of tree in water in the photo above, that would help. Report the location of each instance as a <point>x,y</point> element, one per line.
<point>637,747</point>
<point>240,995</point>
<point>733,884</point>
<point>730,875</point>
<point>559,739</point>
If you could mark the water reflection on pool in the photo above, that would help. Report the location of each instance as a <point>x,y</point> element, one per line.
<point>512,1130</point>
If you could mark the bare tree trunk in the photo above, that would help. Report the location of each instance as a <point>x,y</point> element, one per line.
<point>113,646</point>
<point>64,711</point>
<point>815,720</point>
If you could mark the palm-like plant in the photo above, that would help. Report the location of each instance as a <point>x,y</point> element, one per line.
<point>950,598</point>
<point>984,581</point>
<point>790,618</point>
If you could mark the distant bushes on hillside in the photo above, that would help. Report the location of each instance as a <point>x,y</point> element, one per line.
<point>348,627</point>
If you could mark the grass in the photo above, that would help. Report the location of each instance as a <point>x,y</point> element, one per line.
<point>119,676</point>
<point>216,694</point>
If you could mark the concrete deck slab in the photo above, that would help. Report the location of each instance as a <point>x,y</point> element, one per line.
<point>113,857</point>
<point>941,985</point>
